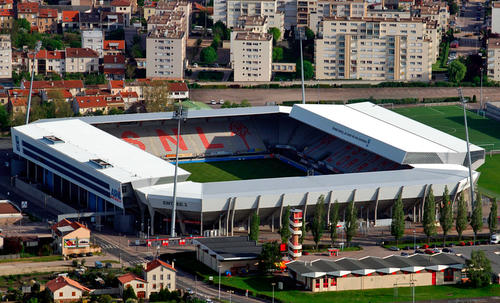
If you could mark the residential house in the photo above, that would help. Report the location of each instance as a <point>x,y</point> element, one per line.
<point>84,105</point>
<point>17,104</point>
<point>159,275</point>
<point>6,18</point>
<point>178,90</point>
<point>49,62</point>
<point>64,289</point>
<point>94,40</point>
<point>4,99</point>
<point>9,213</point>
<point>28,11</point>
<point>123,7</point>
<point>5,57</point>
<point>71,237</point>
<point>81,60</point>
<point>166,53</point>
<point>129,99</point>
<point>252,56</point>
<point>149,9</point>
<point>70,20</point>
<point>75,87</point>
<point>114,67</point>
<point>114,102</point>
<point>6,4</point>
<point>90,20</point>
<point>111,21</point>
<point>116,86</point>
<point>47,20</point>
<point>82,3</point>
<point>138,284</point>
<point>113,47</point>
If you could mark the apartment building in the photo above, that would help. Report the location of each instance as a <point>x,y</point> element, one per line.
<point>70,20</point>
<point>436,12</point>
<point>6,19</point>
<point>254,24</point>
<point>114,47</point>
<point>5,57</point>
<point>374,49</point>
<point>28,11</point>
<point>81,60</point>
<point>312,13</point>
<point>93,39</point>
<point>229,11</point>
<point>252,56</point>
<point>494,59</point>
<point>495,17</point>
<point>165,53</point>
<point>173,6</point>
<point>179,19</point>
<point>6,4</point>
<point>49,62</point>
<point>47,20</point>
<point>123,7</point>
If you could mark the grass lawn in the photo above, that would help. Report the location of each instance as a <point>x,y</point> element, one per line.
<point>239,170</point>
<point>490,176</point>
<point>210,76</point>
<point>436,67</point>
<point>195,105</point>
<point>34,259</point>
<point>450,119</point>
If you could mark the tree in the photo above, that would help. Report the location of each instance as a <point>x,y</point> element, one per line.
<point>216,42</point>
<point>221,30</point>
<point>398,219</point>
<point>277,54</point>
<point>130,71</point>
<point>62,108</point>
<point>318,224</point>
<point>129,293</point>
<point>478,269</point>
<point>351,222</point>
<point>4,118</point>
<point>208,55</point>
<point>105,299</point>
<point>309,34</point>
<point>430,216</point>
<point>22,24</point>
<point>461,220</point>
<point>446,214</point>
<point>285,230</point>
<point>334,221</point>
<point>493,217</point>
<point>476,220</point>
<point>308,70</point>
<point>254,227</point>
<point>276,34</point>
<point>156,97</point>
<point>456,71</point>
<point>270,255</point>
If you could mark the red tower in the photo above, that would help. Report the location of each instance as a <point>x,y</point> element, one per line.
<point>295,225</point>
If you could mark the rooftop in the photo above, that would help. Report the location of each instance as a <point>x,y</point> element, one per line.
<point>493,43</point>
<point>231,248</point>
<point>61,281</point>
<point>169,33</point>
<point>81,53</point>
<point>250,36</point>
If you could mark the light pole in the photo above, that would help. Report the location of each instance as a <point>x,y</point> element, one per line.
<point>179,114</point>
<point>273,284</point>
<point>302,65</point>
<point>37,49</point>
<point>468,150</point>
<point>219,266</point>
<point>414,240</point>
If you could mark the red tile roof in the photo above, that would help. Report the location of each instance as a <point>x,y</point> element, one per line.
<point>64,93</point>
<point>177,87</point>
<point>47,13</point>
<point>67,84</point>
<point>7,12</point>
<point>129,277</point>
<point>60,282</point>
<point>117,84</point>
<point>21,92</point>
<point>66,222</point>
<point>27,7</point>
<point>81,53</point>
<point>19,101</point>
<point>8,208</point>
<point>45,54</point>
<point>128,95</point>
<point>70,16</point>
<point>91,101</point>
<point>157,262</point>
<point>3,2</point>
<point>114,44</point>
<point>114,59</point>
<point>120,3</point>
<point>114,71</point>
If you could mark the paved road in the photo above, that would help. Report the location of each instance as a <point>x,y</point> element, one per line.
<point>262,96</point>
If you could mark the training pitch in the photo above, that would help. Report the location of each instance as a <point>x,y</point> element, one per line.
<point>483,132</point>
<point>239,170</point>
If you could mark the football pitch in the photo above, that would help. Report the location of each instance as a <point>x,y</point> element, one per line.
<point>484,132</point>
<point>239,170</point>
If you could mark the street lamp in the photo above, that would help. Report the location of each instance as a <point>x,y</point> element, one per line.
<point>301,33</point>
<point>219,266</point>
<point>273,284</point>
<point>179,114</point>
<point>468,151</point>
<point>38,46</point>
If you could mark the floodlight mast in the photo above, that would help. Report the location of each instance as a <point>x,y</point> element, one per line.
<point>38,46</point>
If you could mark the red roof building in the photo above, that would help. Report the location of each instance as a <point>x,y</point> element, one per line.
<point>114,45</point>
<point>114,59</point>
<point>52,55</point>
<point>81,53</point>
<point>120,3</point>
<point>116,84</point>
<point>28,8</point>
<point>61,281</point>
<point>70,16</point>
<point>65,84</point>
<point>155,263</point>
<point>6,12</point>
<point>65,222</point>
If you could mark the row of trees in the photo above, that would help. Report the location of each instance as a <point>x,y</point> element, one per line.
<point>446,216</point>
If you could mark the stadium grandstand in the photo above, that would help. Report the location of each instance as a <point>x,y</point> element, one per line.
<point>123,164</point>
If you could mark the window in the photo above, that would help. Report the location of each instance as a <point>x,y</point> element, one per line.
<point>168,277</point>
<point>140,285</point>
<point>154,277</point>
<point>161,276</point>
<point>60,294</point>
<point>73,294</point>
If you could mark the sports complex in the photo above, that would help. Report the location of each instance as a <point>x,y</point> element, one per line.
<point>234,162</point>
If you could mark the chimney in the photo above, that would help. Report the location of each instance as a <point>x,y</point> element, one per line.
<point>173,264</point>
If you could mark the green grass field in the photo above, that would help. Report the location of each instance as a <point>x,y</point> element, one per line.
<point>239,170</point>
<point>482,131</point>
<point>450,119</point>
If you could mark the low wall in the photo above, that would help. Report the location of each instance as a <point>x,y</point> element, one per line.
<point>106,291</point>
<point>42,199</point>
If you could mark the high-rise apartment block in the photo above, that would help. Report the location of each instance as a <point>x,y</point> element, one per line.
<point>5,57</point>
<point>166,53</point>
<point>252,56</point>
<point>494,59</point>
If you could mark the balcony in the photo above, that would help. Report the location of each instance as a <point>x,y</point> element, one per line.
<point>294,247</point>
<point>295,232</point>
<point>295,224</point>
<point>294,254</point>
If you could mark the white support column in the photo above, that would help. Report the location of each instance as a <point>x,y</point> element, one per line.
<point>201,223</point>
<point>228,213</point>
<point>306,197</point>
<point>272,222</point>
<point>330,194</point>
<point>281,208</point>
<point>376,206</point>
<point>232,216</point>
<point>426,188</point>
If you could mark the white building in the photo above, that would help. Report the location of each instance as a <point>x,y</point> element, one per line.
<point>229,11</point>
<point>64,289</point>
<point>252,55</point>
<point>81,60</point>
<point>494,59</point>
<point>93,39</point>
<point>495,18</point>
<point>5,57</point>
<point>165,53</point>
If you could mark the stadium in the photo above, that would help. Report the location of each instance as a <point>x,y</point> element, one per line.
<point>237,161</point>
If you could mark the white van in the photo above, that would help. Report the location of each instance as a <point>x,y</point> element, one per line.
<point>494,239</point>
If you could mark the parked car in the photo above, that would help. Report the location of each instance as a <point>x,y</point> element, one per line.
<point>418,251</point>
<point>108,265</point>
<point>405,254</point>
<point>407,247</point>
<point>494,239</point>
<point>394,248</point>
<point>429,251</point>
<point>448,250</point>
<point>98,264</point>
<point>436,250</point>
<point>213,102</point>
<point>461,243</point>
<point>425,246</point>
<point>90,254</point>
<point>221,101</point>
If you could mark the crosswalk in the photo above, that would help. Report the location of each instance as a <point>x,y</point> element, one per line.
<point>108,246</point>
<point>138,261</point>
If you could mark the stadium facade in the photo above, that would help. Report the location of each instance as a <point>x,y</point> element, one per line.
<point>361,152</point>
